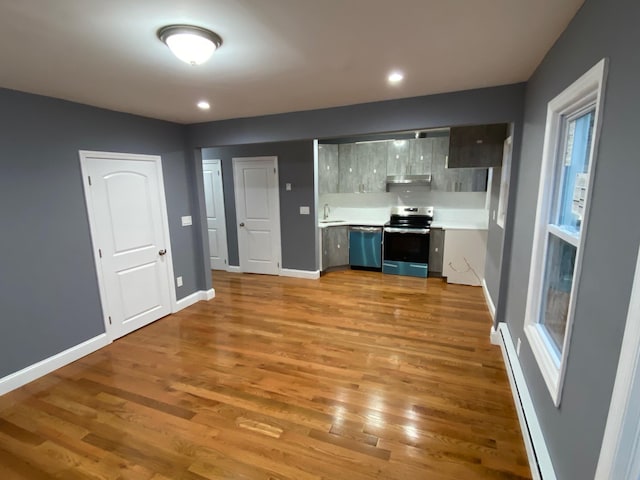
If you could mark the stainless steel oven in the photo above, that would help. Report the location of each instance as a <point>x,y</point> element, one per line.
<point>406,241</point>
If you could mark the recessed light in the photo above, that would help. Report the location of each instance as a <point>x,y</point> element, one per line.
<point>203,105</point>
<point>395,77</point>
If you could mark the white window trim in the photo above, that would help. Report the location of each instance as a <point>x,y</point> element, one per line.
<point>504,181</point>
<point>588,89</point>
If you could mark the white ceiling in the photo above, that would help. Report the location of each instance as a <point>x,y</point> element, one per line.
<point>277,55</point>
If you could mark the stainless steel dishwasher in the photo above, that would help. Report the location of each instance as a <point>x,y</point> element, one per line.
<point>365,247</point>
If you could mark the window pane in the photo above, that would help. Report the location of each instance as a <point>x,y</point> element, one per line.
<point>558,279</point>
<point>578,137</point>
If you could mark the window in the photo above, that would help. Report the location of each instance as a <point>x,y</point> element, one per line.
<point>561,223</point>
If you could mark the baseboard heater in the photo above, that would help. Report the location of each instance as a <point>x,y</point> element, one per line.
<point>537,452</point>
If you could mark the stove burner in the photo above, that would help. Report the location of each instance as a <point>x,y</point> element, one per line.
<point>411,217</point>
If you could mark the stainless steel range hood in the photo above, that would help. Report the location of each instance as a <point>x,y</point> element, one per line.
<point>409,180</point>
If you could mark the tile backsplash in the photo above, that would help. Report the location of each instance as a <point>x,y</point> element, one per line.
<point>437,199</point>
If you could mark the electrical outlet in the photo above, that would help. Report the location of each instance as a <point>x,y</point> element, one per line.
<point>179,281</point>
<point>518,347</point>
<point>494,215</point>
<point>186,221</point>
<point>288,187</point>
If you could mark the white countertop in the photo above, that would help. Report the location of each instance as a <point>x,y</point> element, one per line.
<point>447,219</point>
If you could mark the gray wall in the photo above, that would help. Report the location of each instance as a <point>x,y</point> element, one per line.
<point>574,431</point>
<point>295,166</point>
<point>488,105</point>
<point>48,286</point>
<point>495,237</point>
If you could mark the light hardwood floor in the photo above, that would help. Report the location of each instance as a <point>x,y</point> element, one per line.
<point>356,376</point>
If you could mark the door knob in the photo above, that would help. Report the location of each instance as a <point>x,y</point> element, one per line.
<point>162,252</point>
<point>242,224</point>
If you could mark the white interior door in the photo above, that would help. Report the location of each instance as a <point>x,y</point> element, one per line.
<point>258,214</point>
<point>130,235</point>
<point>214,202</point>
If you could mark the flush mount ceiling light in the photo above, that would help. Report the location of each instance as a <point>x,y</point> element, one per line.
<point>191,44</point>
<point>203,105</point>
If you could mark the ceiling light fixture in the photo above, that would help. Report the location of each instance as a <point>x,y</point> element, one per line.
<point>395,77</point>
<point>203,105</point>
<point>191,44</point>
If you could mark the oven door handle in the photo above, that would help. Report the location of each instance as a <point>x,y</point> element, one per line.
<point>419,231</point>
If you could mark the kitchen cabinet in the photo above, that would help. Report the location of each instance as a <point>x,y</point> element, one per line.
<point>464,256</point>
<point>335,247</point>
<point>362,167</point>
<point>421,154</point>
<point>409,157</point>
<point>436,250</point>
<point>371,166</point>
<point>398,157</point>
<point>328,168</point>
<point>454,179</point>
<point>470,179</point>
<point>442,178</point>
<point>477,146</point>
<point>349,178</point>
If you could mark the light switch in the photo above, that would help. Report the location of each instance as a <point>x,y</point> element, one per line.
<point>179,281</point>
<point>186,221</point>
<point>304,210</point>
<point>288,187</point>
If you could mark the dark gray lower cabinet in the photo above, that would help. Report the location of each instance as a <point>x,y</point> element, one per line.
<point>436,249</point>
<point>335,247</point>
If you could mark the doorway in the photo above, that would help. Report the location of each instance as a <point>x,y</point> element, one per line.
<point>258,214</point>
<point>127,213</point>
<point>215,211</point>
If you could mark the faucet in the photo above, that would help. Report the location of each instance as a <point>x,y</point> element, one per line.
<point>326,211</point>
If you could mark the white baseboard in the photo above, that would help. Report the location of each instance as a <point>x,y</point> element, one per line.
<point>537,452</point>
<point>494,336</point>
<point>309,274</point>
<point>233,269</point>
<point>48,365</point>
<point>488,299</point>
<point>195,297</point>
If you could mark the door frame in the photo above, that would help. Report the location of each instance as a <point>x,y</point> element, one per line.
<point>85,155</point>
<point>271,158</point>
<point>224,209</point>
<point>622,433</point>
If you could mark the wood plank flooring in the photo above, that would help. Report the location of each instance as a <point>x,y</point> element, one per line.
<point>356,376</point>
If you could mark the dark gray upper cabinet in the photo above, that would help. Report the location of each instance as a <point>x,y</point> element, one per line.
<point>477,146</point>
